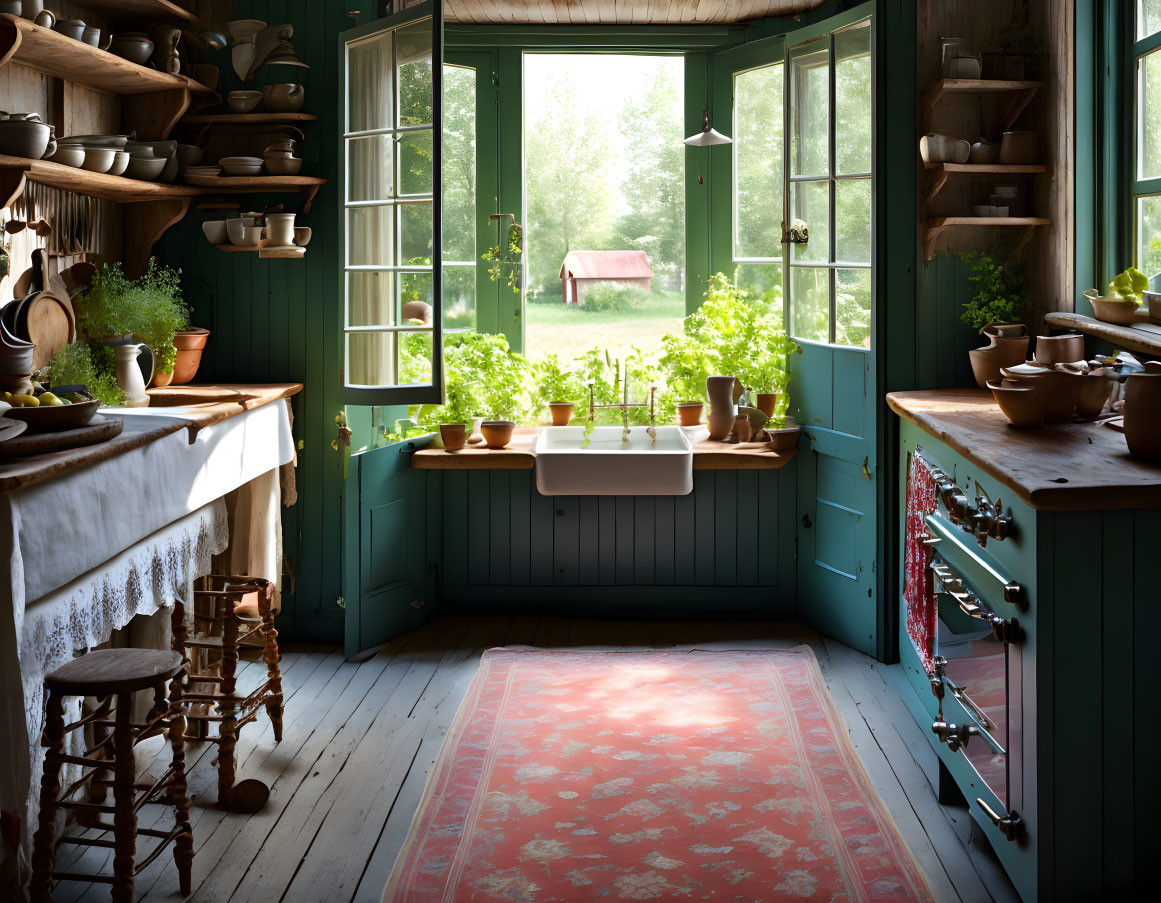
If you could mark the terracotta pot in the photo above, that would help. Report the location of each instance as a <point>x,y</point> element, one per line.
<point>561,412</point>
<point>1143,413</point>
<point>1094,394</point>
<point>766,402</point>
<point>1060,389</point>
<point>497,433</point>
<point>721,423</point>
<point>785,438</point>
<point>189,344</point>
<point>1059,349</point>
<point>1020,404</point>
<point>161,380</point>
<point>1000,352</point>
<point>689,412</point>
<point>742,429</point>
<point>454,435</point>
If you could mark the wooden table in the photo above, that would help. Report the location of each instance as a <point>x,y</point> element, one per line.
<point>707,455</point>
<point>202,406</point>
<point>1073,466</point>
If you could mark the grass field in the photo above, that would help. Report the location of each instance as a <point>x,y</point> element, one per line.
<point>567,330</point>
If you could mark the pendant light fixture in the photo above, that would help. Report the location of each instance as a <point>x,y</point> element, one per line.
<point>708,136</point>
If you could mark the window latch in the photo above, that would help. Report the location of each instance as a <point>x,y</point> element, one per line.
<point>796,234</point>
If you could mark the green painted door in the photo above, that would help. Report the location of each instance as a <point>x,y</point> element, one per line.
<point>829,288</point>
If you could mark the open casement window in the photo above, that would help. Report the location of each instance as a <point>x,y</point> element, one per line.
<point>1146,182</point>
<point>828,170</point>
<point>392,272</point>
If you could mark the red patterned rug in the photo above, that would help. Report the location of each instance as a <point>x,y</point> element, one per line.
<point>573,776</point>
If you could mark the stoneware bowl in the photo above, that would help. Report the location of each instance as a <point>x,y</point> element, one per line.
<point>132,46</point>
<point>283,166</point>
<point>120,163</point>
<point>1061,388</point>
<point>241,166</point>
<point>1021,405</point>
<point>454,435</point>
<point>69,155</point>
<point>24,138</point>
<point>145,168</point>
<point>1094,393</point>
<point>243,101</point>
<point>99,159</point>
<point>286,98</point>
<point>497,433</point>
<point>246,236</point>
<point>302,236</point>
<point>1114,310</point>
<point>215,230</point>
<point>52,419</point>
<point>70,28</point>
<point>1059,349</point>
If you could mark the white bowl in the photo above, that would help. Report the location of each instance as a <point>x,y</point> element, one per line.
<point>99,159</point>
<point>120,163</point>
<point>145,168</point>
<point>242,169</point>
<point>246,236</point>
<point>115,141</point>
<point>69,155</point>
<point>243,101</point>
<point>215,230</point>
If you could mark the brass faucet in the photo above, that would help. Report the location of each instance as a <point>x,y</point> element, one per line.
<point>625,403</point>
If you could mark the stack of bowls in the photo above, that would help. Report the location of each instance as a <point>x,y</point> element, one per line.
<point>149,160</point>
<point>243,231</point>
<point>23,135</point>
<point>193,173</point>
<point>96,153</point>
<point>15,359</point>
<point>1031,394</point>
<point>241,166</point>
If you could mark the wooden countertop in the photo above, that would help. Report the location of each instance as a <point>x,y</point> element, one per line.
<point>212,404</point>
<point>519,455</point>
<point>1070,467</point>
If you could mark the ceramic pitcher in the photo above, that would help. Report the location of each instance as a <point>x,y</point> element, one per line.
<point>129,378</point>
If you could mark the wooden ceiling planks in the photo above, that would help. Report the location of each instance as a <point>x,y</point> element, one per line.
<point>618,12</point>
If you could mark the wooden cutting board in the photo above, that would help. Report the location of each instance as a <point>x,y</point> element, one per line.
<point>47,321</point>
<point>101,428</point>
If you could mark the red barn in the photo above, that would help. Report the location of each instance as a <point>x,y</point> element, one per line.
<point>582,268</point>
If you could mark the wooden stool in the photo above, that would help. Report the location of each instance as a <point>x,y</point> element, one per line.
<point>109,673</point>
<point>230,612</point>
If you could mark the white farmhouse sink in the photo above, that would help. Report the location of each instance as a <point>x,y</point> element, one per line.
<point>610,466</point>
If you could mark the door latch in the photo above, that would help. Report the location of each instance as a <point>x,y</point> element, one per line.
<point>954,735</point>
<point>1009,824</point>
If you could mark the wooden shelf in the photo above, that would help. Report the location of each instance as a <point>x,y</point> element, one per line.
<point>247,119</point>
<point>1014,97</point>
<point>15,170</point>
<point>151,10</point>
<point>938,173</point>
<point>266,253</point>
<point>1143,337</point>
<point>306,186</point>
<point>936,225</point>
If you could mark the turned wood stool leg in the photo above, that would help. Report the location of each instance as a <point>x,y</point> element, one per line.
<point>44,843</point>
<point>183,850</point>
<point>124,818</point>
<point>227,732</point>
<point>270,656</point>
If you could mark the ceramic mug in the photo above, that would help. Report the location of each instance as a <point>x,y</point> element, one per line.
<point>280,229</point>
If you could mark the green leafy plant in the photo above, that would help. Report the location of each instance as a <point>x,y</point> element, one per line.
<point>1128,285</point>
<point>997,290</point>
<point>504,262</point>
<point>150,306</point>
<point>89,364</point>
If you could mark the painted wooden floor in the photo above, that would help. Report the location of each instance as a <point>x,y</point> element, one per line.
<point>360,738</point>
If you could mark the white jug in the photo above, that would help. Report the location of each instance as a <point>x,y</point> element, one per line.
<point>129,378</point>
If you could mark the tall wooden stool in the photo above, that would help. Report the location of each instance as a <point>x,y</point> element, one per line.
<point>108,674</point>
<point>230,612</point>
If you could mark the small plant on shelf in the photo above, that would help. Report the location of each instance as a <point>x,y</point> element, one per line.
<point>997,288</point>
<point>504,258</point>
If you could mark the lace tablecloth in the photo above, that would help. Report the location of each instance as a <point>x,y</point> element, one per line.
<point>82,555</point>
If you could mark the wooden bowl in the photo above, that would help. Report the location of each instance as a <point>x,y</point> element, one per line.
<point>54,418</point>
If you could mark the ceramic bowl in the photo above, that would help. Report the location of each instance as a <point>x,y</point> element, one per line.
<point>1094,393</point>
<point>1061,388</point>
<point>215,230</point>
<point>243,101</point>
<point>69,155</point>
<point>241,166</point>
<point>785,437</point>
<point>283,166</point>
<point>1059,349</point>
<point>302,236</point>
<point>134,47</point>
<point>189,155</point>
<point>286,98</point>
<point>70,28</point>
<point>120,163</point>
<point>114,141</point>
<point>984,151</point>
<point>147,169</point>
<point>497,433</point>
<point>1115,311</point>
<point>164,149</point>
<point>1020,405</point>
<point>99,159</point>
<point>24,138</point>
<point>52,419</point>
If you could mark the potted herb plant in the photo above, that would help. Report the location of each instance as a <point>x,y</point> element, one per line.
<point>555,386</point>
<point>994,308</point>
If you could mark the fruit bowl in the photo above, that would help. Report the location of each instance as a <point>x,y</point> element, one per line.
<point>54,418</point>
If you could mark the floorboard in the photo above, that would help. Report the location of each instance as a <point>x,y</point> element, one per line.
<point>361,738</point>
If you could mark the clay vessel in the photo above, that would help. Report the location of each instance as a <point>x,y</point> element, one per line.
<point>1114,310</point>
<point>785,437</point>
<point>1020,404</point>
<point>561,412</point>
<point>721,422</point>
<point>1143,412</point>
<point>720,391</point>
<point>284,98</point>
<point>1059,349</point>
<point>1060,389</point>
<point>189,344</point>
<point>689,412</point>
<point>1094,394</point>
<point>1019,147</point>
<point>497,433</point>
<point>766,402</point>
<point>454,435</point>
<point>742,429</point>
<point>1000,352</point>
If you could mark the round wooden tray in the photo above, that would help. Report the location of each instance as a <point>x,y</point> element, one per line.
<point>99,429</point>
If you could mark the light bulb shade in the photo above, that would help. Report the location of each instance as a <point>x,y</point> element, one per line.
<point>708,136</point>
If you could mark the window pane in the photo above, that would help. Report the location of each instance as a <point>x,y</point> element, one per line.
<point>370,236</point>
<point>810,202</point>
<point>371,359</point>
<point>852,308</point>
<point>458,177</point>
<point>370,173</point>
<point>810,109</point>
<point>810,307</point>
<point>1149,235</point>
<point>415,289</point>
<point>763,281</point>
<point>459,297</point>
<point>853,99</point>
<point>1149,116</point>
<point>415,162</point>
<point>371,299</point>
<point>415,357</point>
<point>1148,18</point>
<point>415,226</point>
<point>852,215</point>
<point>413,56</point>
<point>369,93</point>
<point>758,162</point>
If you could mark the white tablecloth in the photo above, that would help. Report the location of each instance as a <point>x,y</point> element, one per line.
<point>80,556</point>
